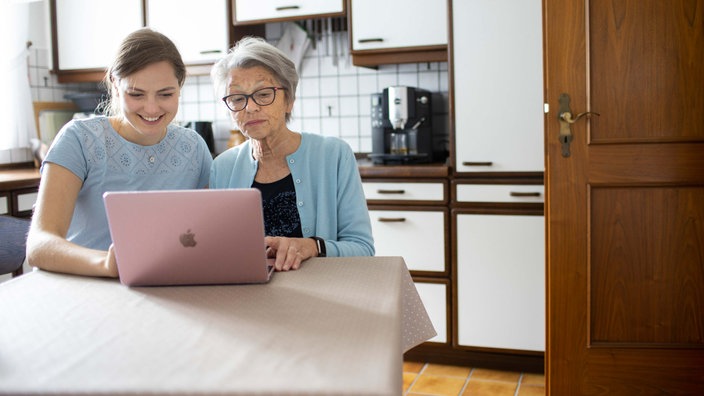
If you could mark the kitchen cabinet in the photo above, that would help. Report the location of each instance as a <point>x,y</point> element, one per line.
<point>500,262</point>
<point>410,219</point>
<point>86,36</point>
<point>434,297</point>
<point>498,86</point>
<point>4,203</point>
<point>199,28</point>
<point>258,11</point>
<point>389,32</point>
<point>18,191</point>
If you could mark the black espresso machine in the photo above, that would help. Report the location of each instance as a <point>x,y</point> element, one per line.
<point>401,126</point>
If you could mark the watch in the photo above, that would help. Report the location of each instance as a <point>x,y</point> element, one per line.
<point>320,243</point>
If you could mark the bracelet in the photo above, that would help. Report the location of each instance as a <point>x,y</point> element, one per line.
<point>320,243</point>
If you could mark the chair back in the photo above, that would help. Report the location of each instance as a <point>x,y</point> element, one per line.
<point>13,242</point>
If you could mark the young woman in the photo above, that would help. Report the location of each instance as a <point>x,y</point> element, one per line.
<point>133,147</point>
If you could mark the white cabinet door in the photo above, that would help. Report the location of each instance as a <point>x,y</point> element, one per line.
<point>417,236</point>
<point>434,297</point>
<point>4,205</point>
<point>198,28</point>
<point>262,10</point>
<point>398,23</point>
<point>498,85</point>
<point>501,281</point>
<point>90,31</point>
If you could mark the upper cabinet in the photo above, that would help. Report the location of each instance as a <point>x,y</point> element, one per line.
<point>398,31</point>
<point>199,28</point>
<point>262,11</point>
<point>497,71</point>
<point>86,37</point>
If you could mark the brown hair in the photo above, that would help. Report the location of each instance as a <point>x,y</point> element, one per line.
<point>138,50</point>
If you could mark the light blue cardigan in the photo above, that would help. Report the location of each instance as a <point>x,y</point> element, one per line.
<point>329,194</point>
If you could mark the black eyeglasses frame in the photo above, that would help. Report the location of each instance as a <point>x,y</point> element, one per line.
<point>251,96</point>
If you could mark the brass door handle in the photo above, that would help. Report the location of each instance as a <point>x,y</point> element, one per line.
<point>564,115</point>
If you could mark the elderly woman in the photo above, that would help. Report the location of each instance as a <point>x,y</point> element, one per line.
<point>313,201</point>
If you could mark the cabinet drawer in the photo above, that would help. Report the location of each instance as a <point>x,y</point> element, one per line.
<point>417,236</point>
<point>431,192</point>
<point>248,11</point>
<point>500,193</point>
<point>434,297</point>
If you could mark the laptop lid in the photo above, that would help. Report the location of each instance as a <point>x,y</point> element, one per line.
<point>188,237</point>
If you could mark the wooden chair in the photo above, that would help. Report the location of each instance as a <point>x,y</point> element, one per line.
<point>13,240</point>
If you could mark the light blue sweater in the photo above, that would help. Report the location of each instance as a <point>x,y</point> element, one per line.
<point>105,161</point>
<point>329,194</point>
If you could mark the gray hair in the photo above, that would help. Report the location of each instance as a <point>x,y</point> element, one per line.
<point>252,52</point>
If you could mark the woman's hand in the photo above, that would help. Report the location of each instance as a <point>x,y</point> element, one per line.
<point>111,262</point>
<point>290,252</point>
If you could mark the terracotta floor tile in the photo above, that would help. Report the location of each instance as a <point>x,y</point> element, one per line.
<point>412,367</point>
<point>429,384</point>
<point>533,379</point>
<point>408,379</point>
<point>449,371</point>
<point>531,390</point>
<point>495,375</point>
<point>489,388</point>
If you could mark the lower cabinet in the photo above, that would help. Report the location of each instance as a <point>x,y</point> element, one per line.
<point>417,235</point>
<point>434,297</point>
<point>18,191</point>
<point>500,281</point>
<point>476,251</point>
<point>411,219</point>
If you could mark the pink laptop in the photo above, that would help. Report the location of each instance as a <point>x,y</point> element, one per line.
<point>188,237</point>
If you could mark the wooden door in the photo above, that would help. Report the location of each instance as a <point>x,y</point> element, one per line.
<point>625,211</point>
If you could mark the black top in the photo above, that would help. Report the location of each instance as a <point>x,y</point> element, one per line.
<point>280,211</point>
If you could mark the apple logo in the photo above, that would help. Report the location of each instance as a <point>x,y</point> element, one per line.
<point>188,239</point>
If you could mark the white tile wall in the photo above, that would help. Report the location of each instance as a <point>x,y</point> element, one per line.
<point>332,98</point>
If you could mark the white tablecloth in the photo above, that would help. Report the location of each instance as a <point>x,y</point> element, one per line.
<point>336,326</point>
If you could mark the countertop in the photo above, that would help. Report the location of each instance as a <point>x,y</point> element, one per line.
<point>369,170</point>
<point>17,178</point>
<point>26,177</point>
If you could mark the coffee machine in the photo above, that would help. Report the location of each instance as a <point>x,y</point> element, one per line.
<point>402,130</point>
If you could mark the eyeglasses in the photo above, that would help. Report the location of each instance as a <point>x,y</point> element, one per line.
<point>262,97</point>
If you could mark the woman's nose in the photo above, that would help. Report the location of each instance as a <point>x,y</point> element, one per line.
<point>251,105</point>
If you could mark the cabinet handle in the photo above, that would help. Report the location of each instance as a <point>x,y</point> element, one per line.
<point>206,52</point>
<point>370,40</point>
<point>286,8</point>
<point>469,163</point>
<point>392,219</point>
<point>391,191</point>
<point>524,194</point>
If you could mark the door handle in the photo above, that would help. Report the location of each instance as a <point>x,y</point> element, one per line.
<point>564,115</point>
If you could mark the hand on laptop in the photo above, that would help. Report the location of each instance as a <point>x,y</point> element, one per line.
<point>290,252</point>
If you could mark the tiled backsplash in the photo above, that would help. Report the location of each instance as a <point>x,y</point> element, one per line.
<point>333,96</point>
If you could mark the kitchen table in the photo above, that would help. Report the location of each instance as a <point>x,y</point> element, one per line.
<point>335,326</point>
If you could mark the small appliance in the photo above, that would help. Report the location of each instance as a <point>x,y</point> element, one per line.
<point>402,126</point>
